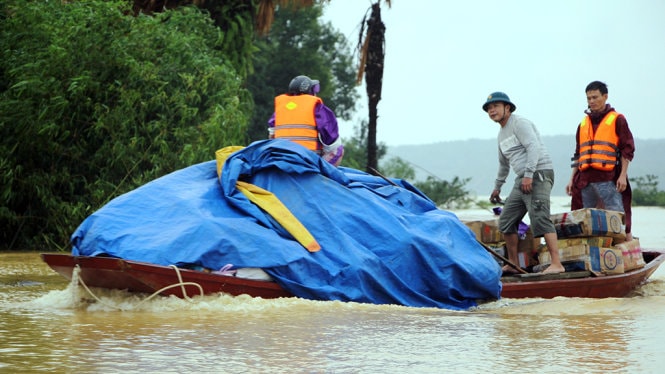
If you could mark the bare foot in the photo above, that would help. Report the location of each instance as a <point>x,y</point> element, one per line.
<point>554,269</point>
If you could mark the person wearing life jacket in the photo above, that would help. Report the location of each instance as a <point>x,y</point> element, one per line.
<point>302,117</point>
<point>521,149</point>
<point>604,149</point>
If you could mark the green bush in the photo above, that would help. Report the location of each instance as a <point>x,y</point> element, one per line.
<point>95,102</point>
<point>446,194</point>
<point>645,191</point>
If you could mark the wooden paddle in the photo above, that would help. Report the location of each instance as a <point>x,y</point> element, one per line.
<point>507,261</point>
<point>376,172</point>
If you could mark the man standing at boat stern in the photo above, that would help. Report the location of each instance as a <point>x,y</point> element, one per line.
<point>520,147</point>
<point>604,149</point>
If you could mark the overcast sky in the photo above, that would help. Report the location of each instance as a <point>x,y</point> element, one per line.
<point>444,57</point>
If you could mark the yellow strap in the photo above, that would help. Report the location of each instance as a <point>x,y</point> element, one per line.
<point>271,204</point>
<point>267,201</point>
<point>222,154</point>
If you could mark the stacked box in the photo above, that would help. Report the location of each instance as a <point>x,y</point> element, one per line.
<point>486,231</point>
<point>619,239</point>
<point>589,222</point>
<point>599,259</point>
<point>578,252</point>
<point>605,260</point>
<point>527,250</point>
<point>499,249</point>
<point>528,244</point>
<point>524,259</point>
<point>592,241</point>
<point>632,254</point>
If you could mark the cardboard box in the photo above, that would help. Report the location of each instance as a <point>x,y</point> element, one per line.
<point>589,222</point>
<point>499,249</point>
<point>605,260</point>
<point>592,241</point>
<point>486,231</point>
<point>632,254</point>
<point>528,244</point>
<point>524,259</point>
<point>599,259</point>
<point>578,252</point>
<point>619,238</point>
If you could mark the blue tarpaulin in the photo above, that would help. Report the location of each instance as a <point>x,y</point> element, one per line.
<point>380,243</point>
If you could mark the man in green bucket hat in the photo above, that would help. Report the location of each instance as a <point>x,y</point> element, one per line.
<point>521,149</point>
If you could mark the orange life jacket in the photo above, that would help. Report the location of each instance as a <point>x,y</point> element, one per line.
<point>599,150</point>
<point>295,121</point>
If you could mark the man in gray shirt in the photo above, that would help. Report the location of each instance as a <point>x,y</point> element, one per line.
<point>521,149</point>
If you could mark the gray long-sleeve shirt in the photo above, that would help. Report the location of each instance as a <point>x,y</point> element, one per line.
<point>520,148</point>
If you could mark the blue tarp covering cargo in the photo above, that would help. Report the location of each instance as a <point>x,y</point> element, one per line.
<point>334,233</point>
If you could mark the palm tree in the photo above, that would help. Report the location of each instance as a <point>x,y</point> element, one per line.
<point>371,54</point>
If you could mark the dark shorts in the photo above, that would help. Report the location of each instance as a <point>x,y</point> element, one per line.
<point>536,204</point>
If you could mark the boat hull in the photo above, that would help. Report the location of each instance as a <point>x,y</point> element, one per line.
<point>133,276</point>
<point>603,286</point>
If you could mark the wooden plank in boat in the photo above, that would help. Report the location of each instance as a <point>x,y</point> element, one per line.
<point>543,277</point>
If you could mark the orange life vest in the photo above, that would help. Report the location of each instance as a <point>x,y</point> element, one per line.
<point>295,121</point>
<point>599,150</point>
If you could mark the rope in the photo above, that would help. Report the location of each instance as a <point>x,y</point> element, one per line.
<point>77,279</point>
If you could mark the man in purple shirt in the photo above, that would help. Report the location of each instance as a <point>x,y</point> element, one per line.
<point>294,126</point>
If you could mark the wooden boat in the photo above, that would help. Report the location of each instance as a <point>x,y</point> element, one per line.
<point>582,283</point>
<point>133,276</point>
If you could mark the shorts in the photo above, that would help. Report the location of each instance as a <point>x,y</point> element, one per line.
<point>602,195</point>
<point>536,204</point>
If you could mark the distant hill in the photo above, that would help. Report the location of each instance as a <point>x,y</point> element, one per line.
<point>477,159</point>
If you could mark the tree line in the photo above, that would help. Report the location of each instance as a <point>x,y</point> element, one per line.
<point>99,97</point>
<point>95,102</point>
<point>646,192</point>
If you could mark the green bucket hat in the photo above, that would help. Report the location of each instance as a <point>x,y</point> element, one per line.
<point>499,97</point>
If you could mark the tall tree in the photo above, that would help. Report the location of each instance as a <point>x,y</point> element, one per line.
<point>372,55</point>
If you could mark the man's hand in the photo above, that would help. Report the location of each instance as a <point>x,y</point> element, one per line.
<point>569,188</point>
<point>527,184</point>
<point>622,184</point>
<point>495,198</point>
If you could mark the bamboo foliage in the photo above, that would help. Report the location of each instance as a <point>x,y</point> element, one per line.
<point>240,21</point>
<point>264,10</point>
<point>265,14</point>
